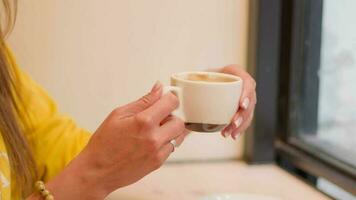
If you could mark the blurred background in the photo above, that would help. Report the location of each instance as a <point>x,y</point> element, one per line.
<point>93,56</point>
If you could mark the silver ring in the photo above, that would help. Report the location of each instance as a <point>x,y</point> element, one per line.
<point>174,144</point>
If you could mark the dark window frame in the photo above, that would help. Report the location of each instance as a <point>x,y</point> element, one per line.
<point>285,38</point>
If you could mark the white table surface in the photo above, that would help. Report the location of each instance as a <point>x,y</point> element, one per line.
<point>191,181</point>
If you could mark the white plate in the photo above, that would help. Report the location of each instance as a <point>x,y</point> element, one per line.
<point>240,197</point>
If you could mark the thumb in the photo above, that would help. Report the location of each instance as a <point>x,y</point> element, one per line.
<point>144,102</point>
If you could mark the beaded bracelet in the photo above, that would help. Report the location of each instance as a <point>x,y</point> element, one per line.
<point>41,188</point>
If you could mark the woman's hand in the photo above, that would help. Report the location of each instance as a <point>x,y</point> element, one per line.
<point>132,142</point>
<point>244,115</point>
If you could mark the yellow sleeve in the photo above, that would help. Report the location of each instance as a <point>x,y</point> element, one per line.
<point>54,137</point>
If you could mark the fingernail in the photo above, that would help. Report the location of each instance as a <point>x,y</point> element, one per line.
<point>245,103</point>
<point>236,136</point>
<point>156,86</point>
<point>238,122</point>
<point>223,133</point>
<point>227,132</point>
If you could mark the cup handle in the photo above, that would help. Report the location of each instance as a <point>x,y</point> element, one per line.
<point>178,92</point>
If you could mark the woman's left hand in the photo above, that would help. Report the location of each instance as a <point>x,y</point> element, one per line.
<point>244,114</point>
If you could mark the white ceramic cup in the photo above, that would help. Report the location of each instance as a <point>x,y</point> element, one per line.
<point>207,100</point>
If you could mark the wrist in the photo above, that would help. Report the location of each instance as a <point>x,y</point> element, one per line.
<point>79,180</point>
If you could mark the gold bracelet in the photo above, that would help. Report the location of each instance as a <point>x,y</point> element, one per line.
<point>41,188</point>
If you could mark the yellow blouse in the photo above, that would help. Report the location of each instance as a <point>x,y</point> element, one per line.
<point>54,137</point>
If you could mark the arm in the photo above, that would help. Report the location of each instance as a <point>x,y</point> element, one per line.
<point>78,180</point>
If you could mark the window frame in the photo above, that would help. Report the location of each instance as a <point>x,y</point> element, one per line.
<point>280,56</point>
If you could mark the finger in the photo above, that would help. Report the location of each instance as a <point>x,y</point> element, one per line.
<point>161,108</point>
<point>165,152</point>
<point>229,69</point>
<point>179,140</point>
<point>238,119</point>
<point>235,120</point>
<point>247,97</point>
<point>242,117</point>
<point>234,70</point>
<point>249,87</point>
<point>246,117</point>
<point>168,148</point>
<point>166,119</point>
<point>227,130</point>
<point>142,103</point>
<point>173,128</point>
<point>181,137</point>
<point>237,132</point>
<point>249,84</point>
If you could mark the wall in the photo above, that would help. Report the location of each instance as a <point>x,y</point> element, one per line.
<point>95,55</point>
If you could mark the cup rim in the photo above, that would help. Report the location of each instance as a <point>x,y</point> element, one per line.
<point>178,77</point>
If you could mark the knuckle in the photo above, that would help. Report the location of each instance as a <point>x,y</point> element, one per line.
<point>116,112</point>
<point>143,120</point>
<point>114,115</point>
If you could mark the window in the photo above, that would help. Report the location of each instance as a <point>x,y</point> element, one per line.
<point>334,112</point>
<point>303,53</point>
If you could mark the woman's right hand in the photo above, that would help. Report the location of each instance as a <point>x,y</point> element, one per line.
<point>132,142</point>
